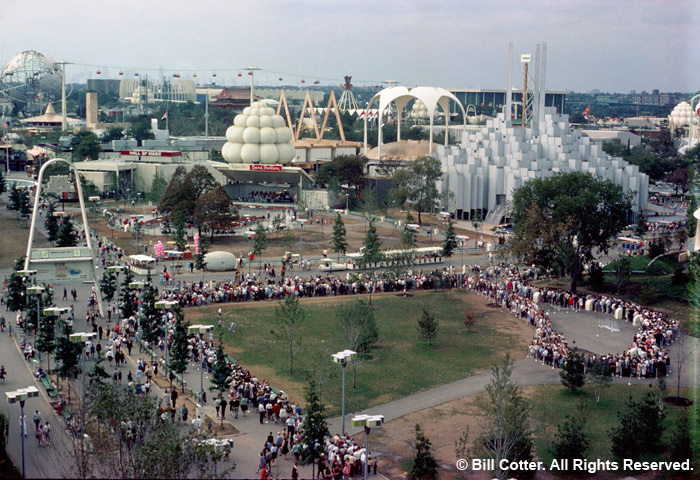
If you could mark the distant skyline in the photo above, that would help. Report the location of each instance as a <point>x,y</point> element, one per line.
<point>609,45</point>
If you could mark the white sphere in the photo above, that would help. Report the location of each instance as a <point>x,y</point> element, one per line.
<point>268,153</point>
<point>254,111</point>
<point>269,111</point>
<point>255,105</point>
<point>286,152</point>
<point>284,135</point>
<point>250,153</point>
<point>232,152</point>
<point>277,121</point>
<point>265,121</point>
<point>251,135</point>
<point>268,135</point>
<point>253,121</point>
<point>240,120</point>
<point>235,134</point>
<point>246,111</point>
<point>229,133</point>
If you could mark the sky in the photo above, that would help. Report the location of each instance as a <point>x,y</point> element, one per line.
<point>609,45</point>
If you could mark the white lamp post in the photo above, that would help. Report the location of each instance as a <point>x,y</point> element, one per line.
<point>413,228</point>
<point>302,222</point>
<point>342,358</point>
<point>21,395</point>
<point>37,290</point>
<point>166,305</point>
<point>367,421</point>
<point>463,239</point>
<point>201,330</point>
<point>249,234</point>
<point>94,199</point>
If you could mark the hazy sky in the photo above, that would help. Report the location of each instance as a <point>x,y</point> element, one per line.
<point>611,45</point>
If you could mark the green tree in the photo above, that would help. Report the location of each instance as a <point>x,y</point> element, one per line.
<point>180,237</point>
<point>16,295</point>
<point>151,321</point>
<point>424,463</point>
<point>108,285</point>
<point>67,353</point>
<point>200,262</point>
<point>314,430</point>
<point>179,352</point>
<point>259,241</point>
<point>127,296</point>
<point>690,221</point>
<point>4,431</point>
<point>571,440</point>
<point>67,236</point>
<point>340,243</point>
<point>3,186</point>
<point>599,376</point>
<point>428,326</point>
<point>560,221</point>
<point>505,427</point>
<point>289,316</point>
<point>19,201</point>
<point>360,328</point>
<point>215,210</point>
<point>85,145</point>
<point>221,374</point>
<point>417,184</point>
<point>114,133</point>
<point>450,243</point>
<point>372,244</point>
<point>287,240</point>
<point>46,341</point>
<point>51,222</point>
<point>572,374</point>
<point>349,170</point>
<point>639,430</point>
<point>98,376</point>
<point>158,186</point>
<point>140,129</point>
<point>623,272</point>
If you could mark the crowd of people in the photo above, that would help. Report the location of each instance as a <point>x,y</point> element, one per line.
<point>647,356</point>
<point>267,197</point>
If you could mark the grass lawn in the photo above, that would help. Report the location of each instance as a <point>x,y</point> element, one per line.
<point>551,402</point>
<point>14,236</point>
<point>401,362</point>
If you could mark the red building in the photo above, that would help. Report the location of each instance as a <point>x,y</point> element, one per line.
<point>232,99</point>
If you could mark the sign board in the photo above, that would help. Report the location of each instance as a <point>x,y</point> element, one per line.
<point>525,58</point>
<point>697,111</point>
<point>265,168</point>
<point>62,264</point>
<point>151,153</point>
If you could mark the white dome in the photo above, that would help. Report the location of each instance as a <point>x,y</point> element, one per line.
<point>250,153</point>
<point>220,261</point>
<point>251,135</point>
<point>269,153</point>
<point>284,135</point>
<point>240,120</point>
<point>681,114</point>
<point>258,135</point>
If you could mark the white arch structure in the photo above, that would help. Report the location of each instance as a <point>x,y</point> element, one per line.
<point>35,212</point>
<point>430,96</point>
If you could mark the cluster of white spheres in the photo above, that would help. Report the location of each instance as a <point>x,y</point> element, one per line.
<point>258,135</point>
<point>682,115</point>
<point>419,110</point>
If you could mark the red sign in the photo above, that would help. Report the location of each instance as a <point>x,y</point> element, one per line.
<point>151,153</point>
<point>266,168</point>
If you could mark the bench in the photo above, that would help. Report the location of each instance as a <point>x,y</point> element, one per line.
<point>230,359</point>
<point>47,384</point>
<point>179,378</point>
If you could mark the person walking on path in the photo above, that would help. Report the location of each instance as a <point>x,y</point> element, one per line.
<point>23,424</point>
<point>37,419</point>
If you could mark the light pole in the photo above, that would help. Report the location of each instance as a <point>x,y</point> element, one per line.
<point>21,395</point>
<point>26,275</point>
<point>251,71</point>
<point>82,337</point>
<point>367,421</point>
<point>342,358</point>
<point>166,306</point>
<point>201,330</point>
<point>139,286</point>
<point>413,228</point>
<point>37,290</point>
<point>249,234</point>
<point>463,239</point>
<point>302,222</point>
<point>115,269</point>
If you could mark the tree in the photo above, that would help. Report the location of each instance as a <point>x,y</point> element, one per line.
<point>506,426</point>
<point>572,374</point>
<point>287,240</point>
<point>215,210</point>
<point>67,236</point>
<point>51,222</point>
<point>623,272</point>
<point>428,326</point>
<point>450,243</point>
<point>127,296</point>
<point>151,321</point>
<point>599,376</point>
<point>572,441</point>
<point>3,186</point>
<point>67,353</point>
<point>46,341</point>
<point>372,253</point>
<point>221,374</point>
<point>640,227</point>
<point>289,315</point>
<point>200,261</point>
<point>140,129</point>
<point>180,237</point>
<point>424,463</point>
<point>114,133</point>
<point>340,243</point>
<point>690,221</point>
<point>4,432</point>
<point>260,240</point>
<point>639,430</point>
<point>360,328</point>
<point>559,221</point>
<point>98,374</point>
<point>179,351</point>
<point>85,145</point>
<point>16,295</point>
<point>349,170</point>
<point>314,429</point>
<point>158,186</point>
<point>417,184</point>
<point>19,201</point>
<point>108,285</point>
